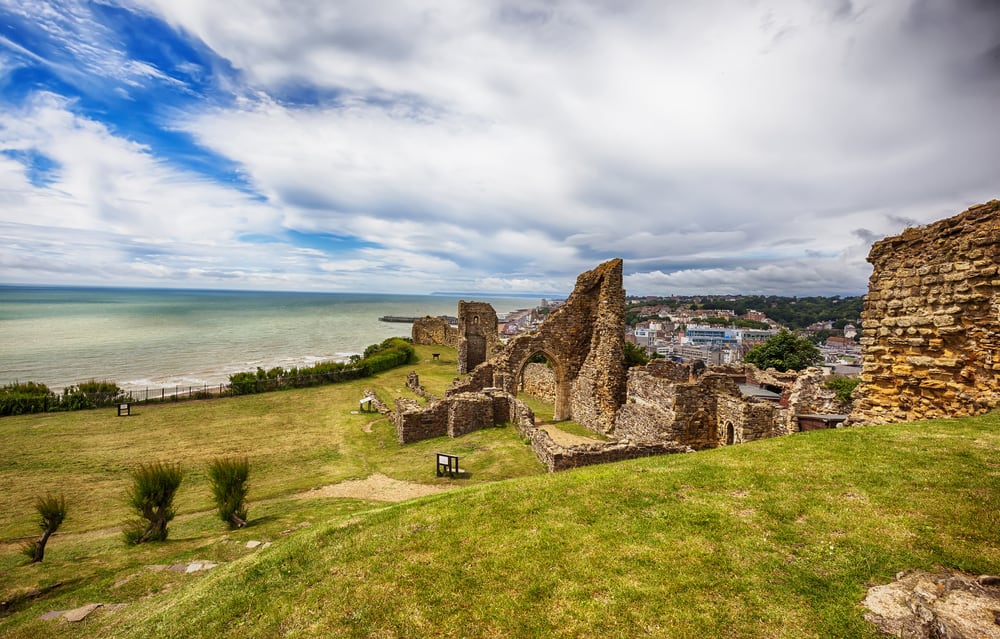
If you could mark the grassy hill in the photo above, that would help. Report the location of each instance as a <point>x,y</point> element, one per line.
<point>777,538</point>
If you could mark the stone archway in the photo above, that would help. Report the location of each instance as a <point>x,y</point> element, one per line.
<point>561,391</point>
<point>730,434</point>
<point>586,337</point>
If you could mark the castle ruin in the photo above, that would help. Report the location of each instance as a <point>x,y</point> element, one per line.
<point>650,410</point>
<point>931,322</point>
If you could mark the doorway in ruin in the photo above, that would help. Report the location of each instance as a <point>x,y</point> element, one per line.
<point>730,434</point>
<point>542,386</point>
<point>475,351</point>
<point>541,376</point>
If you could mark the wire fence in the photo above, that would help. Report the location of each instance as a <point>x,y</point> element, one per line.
<point>174,394</point>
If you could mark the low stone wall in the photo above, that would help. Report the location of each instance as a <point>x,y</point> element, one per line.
<point>556,457</point>
<point>674,371</point>
<point>377,403</point>
<point>434,331</point>
<point>454,416</point>
<point>413,383</point>
<point>415,422</point>
<point>539,381</point>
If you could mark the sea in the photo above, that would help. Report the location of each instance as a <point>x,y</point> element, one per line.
<point>165,338</point>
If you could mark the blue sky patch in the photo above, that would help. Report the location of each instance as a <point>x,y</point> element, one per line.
<point>40,169</point>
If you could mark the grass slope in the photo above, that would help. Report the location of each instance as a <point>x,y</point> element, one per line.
<point>777,538</point>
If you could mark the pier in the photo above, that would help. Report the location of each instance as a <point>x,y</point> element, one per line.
<point>409,320</point>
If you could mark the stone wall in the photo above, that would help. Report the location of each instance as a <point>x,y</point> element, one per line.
<point>478,334</point>
<point>415,422</point>
<point>434,331</point>
<point>413,383</point>
<point>810,396</point>
<point>584,341</point>
<point>539,380</point>
<point>931,321</point>
<point>454,416</point>
<point>705,413</point>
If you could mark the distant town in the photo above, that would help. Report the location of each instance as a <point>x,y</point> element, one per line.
<point>721,329</point>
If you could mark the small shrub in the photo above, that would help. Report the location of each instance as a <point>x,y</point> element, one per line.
<point>152,497</point>
<point>52,510</point>
<point>229,489</point>
<point>91,394</point>
<point>843,387</point>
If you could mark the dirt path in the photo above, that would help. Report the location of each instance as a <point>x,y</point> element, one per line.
<point>375,487</point>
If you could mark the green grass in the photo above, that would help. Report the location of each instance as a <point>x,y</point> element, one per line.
<point>777,538</point>
<point>545,413</point>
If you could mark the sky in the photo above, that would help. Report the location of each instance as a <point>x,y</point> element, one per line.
<point>495,146</point>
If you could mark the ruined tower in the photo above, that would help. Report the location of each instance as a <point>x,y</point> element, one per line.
<point>478,336</point>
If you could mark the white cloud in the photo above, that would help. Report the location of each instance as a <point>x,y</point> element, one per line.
<point>716,146</point>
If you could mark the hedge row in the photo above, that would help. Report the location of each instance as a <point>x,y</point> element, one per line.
<point>391,353</point>
<point>21,398</point>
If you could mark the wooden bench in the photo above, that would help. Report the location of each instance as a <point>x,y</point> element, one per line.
<point>124,410</point>
<point>447,464</point>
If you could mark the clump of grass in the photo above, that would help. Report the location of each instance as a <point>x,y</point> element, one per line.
<point>152,497</point>
<point>52,511</point>
<point>229,489</point>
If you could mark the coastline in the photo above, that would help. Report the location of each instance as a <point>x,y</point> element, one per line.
<point>150,339</point>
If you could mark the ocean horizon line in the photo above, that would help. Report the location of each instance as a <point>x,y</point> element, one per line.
<point>143,288</point>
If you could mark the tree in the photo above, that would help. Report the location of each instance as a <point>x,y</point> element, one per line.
<point>52,510</point>
<point>229,489</point>
<point>785,352</point>
<point>635,356</point>
<point>152,497</point>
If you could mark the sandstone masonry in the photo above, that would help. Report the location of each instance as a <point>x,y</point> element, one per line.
<point>478,335</point>
<point>931,322</point>
<point>433,331</point>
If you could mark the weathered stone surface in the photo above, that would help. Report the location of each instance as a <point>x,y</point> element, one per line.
<point>434,331</point>
<point>540,381</point>
<point>698,408</point>
<point>922,605</point>
<point>584,341</point>
<point>478,334</point>
<point>947,367</point>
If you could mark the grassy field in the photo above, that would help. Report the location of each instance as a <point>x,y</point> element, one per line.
<point>777,538</point>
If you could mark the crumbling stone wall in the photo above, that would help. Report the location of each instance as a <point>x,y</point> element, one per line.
<point>434,331</point>
<point>584,341</point>
<point>454,416</point>
<point>413,383</point>
<point>705,413</point>
<point>810,396</point>
<point>478,334</point>
<point>744,420</point>
<point>931,321</point>
<point>415,422</point>
<point>539,380</point>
